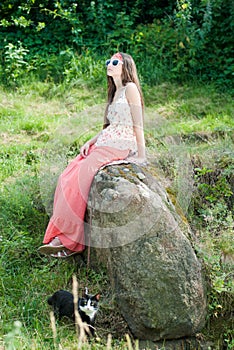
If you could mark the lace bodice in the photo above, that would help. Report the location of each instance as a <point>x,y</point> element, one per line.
<point>119,134</point>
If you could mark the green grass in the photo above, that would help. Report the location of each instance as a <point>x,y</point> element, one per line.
<point>196,120</point>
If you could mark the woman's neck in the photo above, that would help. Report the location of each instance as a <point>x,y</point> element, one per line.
<point>118,83</point>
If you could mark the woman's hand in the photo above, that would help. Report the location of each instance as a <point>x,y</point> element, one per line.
<point>84,150</point>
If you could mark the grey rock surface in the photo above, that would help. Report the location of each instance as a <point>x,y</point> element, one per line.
<point>153,269</point>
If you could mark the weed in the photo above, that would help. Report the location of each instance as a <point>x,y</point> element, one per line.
<point>15,65</point>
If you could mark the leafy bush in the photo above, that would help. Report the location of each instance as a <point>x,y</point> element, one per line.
<point>215,186</point>
<point>14,66</point>
<point>169,41</point>
<point>184,45</point>
<point>84,68</point>
<point>211,213</point>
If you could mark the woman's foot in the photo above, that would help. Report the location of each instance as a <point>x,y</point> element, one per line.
<point>53,247</point>
<point>63,254</point>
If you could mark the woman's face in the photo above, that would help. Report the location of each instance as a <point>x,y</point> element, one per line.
<point>114,66</point>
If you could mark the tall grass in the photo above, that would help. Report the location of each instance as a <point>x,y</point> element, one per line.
<point>195,119</point>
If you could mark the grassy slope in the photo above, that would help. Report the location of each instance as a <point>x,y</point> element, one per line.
<point>198,119</point>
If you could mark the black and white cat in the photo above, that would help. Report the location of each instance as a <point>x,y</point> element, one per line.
<point>63,305</point>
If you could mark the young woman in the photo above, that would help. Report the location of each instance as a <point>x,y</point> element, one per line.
<point>122,137</point>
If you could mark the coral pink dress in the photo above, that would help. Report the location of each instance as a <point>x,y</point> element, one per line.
<point>71,195</point>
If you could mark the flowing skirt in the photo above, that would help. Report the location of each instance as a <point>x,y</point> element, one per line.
<point>71,196</point>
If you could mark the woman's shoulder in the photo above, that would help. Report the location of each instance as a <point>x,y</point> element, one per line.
<point>130,86</point>
<point>132,93</point>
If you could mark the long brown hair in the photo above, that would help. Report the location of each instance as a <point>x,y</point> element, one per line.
<point>129,75</point>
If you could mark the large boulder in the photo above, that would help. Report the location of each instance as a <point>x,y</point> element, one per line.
<point>154,272</point>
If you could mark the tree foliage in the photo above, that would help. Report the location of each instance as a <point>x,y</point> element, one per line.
<point>173,39</point>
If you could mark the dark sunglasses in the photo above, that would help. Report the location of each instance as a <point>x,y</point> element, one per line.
<point>114,62</point>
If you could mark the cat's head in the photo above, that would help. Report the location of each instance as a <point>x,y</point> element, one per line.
<point>89,304</point>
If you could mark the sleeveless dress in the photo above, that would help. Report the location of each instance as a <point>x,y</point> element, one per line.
<point>114,143</point>
<point>119,134</point>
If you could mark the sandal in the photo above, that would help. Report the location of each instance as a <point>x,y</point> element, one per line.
<point>63,254</point>
<point>50,248</point>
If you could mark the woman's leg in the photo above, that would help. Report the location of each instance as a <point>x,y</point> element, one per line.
<point>70,200</point>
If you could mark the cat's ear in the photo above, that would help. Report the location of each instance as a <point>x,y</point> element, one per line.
<point>84,293</point>
<point>97,296</point>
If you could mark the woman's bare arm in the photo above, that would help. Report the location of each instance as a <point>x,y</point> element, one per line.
<point>134,100</point>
